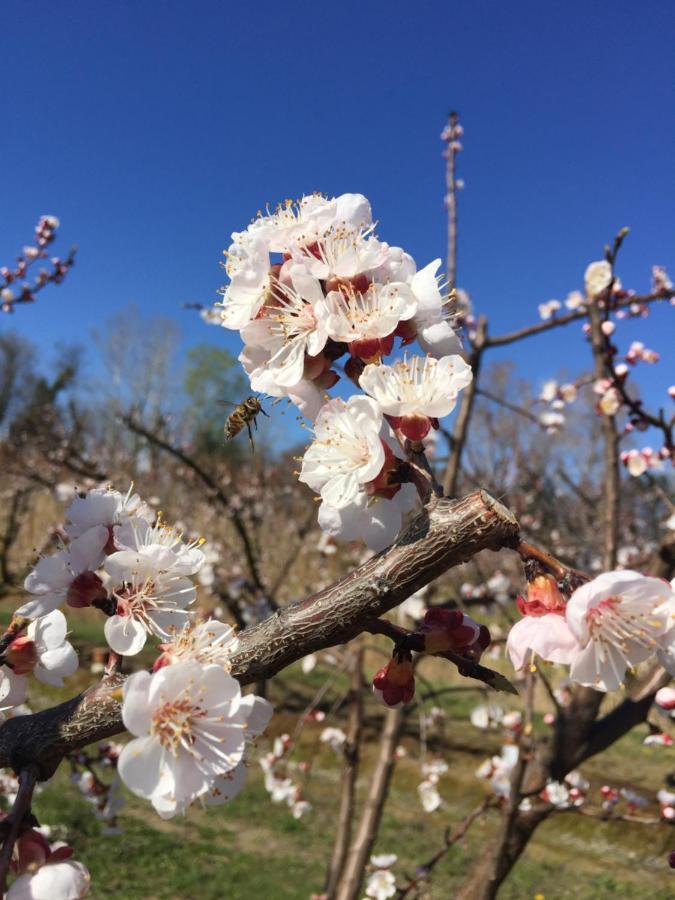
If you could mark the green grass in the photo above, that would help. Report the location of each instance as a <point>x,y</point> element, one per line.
<point>252,848</point>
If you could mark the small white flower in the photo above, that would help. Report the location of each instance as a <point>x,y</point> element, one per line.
<point>547,310</point>
<point>190,724</point>
<point>152,589</point>
<point>429,796</point>
<point>549,391</point>
<point>210,642</point>
<point>346,452</point>
<point>309,663</point>
<point>597,278</point>
<point>575,300</point>
<point>342,252</point>
<point>50,580</point>
<point>353,316</point>
<point>432,320</point>
<point>417,385</point>
<point>381,885</point>
<point>66,880</point>
<point>557,794</point>
<point>289,329</point>
<point>334,737</point>
<point>486,716</point>
<point>618,619</point>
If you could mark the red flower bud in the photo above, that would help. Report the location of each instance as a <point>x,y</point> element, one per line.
<point>22,655</point>
<point>543,597</point>
<point>449,629</point>
<point>394,684</point>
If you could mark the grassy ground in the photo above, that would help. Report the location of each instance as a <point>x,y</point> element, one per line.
<point>252,848</point>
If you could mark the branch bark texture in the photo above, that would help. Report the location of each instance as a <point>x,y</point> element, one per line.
<point>443,536</point>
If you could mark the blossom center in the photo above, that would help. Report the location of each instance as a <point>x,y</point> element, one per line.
<point>173,723</point>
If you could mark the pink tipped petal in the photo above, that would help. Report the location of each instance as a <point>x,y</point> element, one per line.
<point>548,636</point>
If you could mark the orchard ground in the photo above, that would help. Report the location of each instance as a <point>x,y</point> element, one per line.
<point>253,848</point>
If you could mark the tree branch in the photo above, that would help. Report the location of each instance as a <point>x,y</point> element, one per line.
<point>442,537</point>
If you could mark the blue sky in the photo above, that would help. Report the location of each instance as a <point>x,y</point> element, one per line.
<point>154,129</point>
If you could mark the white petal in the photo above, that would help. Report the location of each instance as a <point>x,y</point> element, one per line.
<point>136,709</point>
<point>67,880</point>
<point>49,631</point>
<point>226,787</point>
<point>86,552</point>
<point>259,713</point>
<point>143,768</point>
<point>57,664</point>
<point>125,635</point>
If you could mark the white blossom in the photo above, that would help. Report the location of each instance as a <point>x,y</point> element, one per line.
<point>381,884</point>
<point>65,880</point>
<point>435,333</point>
<point>618,619</point>
<point>334,737</point>
<point>353,315</point>
<point>429,796</point>
<point>209,642</point>
<point>190,723</point>
<point>52,577</point>
<point>417,385</point>
<point>289,329</point>
<point>346,452</point>
<point>597,278</point>
<point>151,585</point>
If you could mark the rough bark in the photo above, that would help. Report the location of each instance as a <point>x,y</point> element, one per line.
<point>445,535</point>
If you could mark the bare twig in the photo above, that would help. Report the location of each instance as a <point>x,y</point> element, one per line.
<point>450,839</point>
<point>349,775</point>
<point>214,489</point>
<point>28,778</point>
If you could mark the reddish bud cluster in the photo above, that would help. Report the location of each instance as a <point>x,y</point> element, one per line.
<point>450,629</point>
<point>394,684</point>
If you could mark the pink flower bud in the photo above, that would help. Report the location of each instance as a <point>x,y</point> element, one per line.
<point>608,328</point>
<point>22,655</point>
<point>543,597</point>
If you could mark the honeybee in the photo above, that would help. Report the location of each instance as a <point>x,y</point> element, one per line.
<point>246,414</point>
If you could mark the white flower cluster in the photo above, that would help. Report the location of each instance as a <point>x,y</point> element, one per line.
<point>189,719</point>
<point>278,783</point>
<point>116,557</point>
<point>310,283</point>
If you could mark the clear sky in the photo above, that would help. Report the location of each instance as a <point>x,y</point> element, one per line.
<point>154,129</point>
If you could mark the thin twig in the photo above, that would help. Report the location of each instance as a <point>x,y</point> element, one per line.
<point>28,778</point>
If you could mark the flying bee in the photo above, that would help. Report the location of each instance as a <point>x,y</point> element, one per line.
<point>245,413</point>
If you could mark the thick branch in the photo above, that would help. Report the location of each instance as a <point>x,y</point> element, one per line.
<point>448,534</point>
